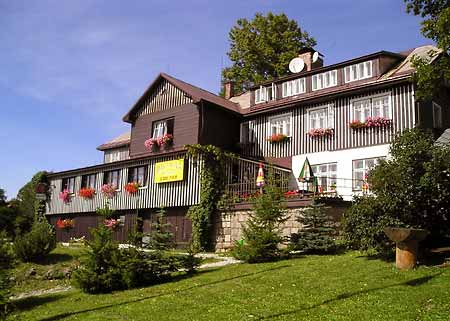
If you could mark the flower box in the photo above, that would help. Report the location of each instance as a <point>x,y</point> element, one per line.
<point>66,224</point>
<point>320,132</point>
<point>277,138</point>
<point>371,122</point>
<point>65,196</point>
<point>165,141</point>
<point>108,190</point>
<point>132,188</point>
<point>152,144</point>
<point>87,193</point>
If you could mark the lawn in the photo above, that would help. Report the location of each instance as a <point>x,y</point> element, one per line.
<point>340,287</point>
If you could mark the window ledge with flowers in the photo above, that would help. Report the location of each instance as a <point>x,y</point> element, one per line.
<point>277,138</point>
<point>163,142</point>
<point>86,193</point>
<point>371,122</point>
<point>132,188</point>
<point>320,132</point>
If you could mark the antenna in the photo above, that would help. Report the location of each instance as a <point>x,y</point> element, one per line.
<point>296,65</point>
<point>315,56</point>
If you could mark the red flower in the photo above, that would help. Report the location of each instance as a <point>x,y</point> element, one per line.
<point>86,192</point>
<point>132,187</point>
<point>65,224</point>
<point>277,138</point>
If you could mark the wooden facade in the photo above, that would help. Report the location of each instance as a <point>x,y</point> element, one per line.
<point>403,116</point>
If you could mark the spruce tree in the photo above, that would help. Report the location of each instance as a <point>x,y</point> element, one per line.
<point>316,234</point>
<point>160,236</point>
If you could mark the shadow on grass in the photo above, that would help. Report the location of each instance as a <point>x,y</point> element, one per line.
<point>54,258</point>
<point>32,302</point>
<point>67,314</point>
<point>343,296</point>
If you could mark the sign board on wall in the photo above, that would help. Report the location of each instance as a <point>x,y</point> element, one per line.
<point>170,171</point>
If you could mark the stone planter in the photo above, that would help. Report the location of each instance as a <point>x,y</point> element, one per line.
<point>407,242</point>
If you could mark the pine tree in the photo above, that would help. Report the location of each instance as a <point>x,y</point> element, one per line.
<point>160,237</point>
<point>316,234</point>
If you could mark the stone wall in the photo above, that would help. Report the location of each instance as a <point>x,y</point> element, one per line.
<point>228,225</point>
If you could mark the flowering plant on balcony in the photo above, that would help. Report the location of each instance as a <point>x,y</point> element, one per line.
<point>378,121</point>
<point>66,224</point>
<point>109,190</point>
<point>86,192</point>
<point>112,223</point>
<point>320,132</point>
<point>292,193</point>
<point>277,138</point>
<point>152,143</point>
<point>65,196</point>
<point>165,141</point>
<point>132,187</point>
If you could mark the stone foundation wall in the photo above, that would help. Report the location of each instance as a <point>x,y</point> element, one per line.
<point>228,225</point>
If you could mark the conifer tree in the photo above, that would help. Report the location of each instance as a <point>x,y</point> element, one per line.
<point>160,235</point>
<point>316,233</point>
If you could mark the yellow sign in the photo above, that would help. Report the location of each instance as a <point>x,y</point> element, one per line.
<point>170,171</point>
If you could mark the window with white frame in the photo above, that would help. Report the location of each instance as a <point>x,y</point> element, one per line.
<point>264,94</point>
<point>293,87</point>
<point>358,71</point>
<point>324,80</point>
<point>138,174</point>
<point>321,117</point>
<point>247,133</point>
<point>162,127</point>
<point>88,181</point>
<point>361,168</point>
<point>112,177</point>
<point>280,125</point>
<point>437,115</point>
<point>326,175</point>
<point>68,184</point>
<point>377,106</point>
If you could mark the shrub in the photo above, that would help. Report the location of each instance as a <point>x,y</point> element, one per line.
<point>261,235</point>
<point>36,244</point>
<point>101,271</point>
<point>6,260</point>
<point>363,224</point>
<point>316,233</point>
<point>160,238</point>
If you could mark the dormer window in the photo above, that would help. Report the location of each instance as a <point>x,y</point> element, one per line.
<point>324,80</point>
<point>359,71</point>
<point>293,87</point>
<point>265,94</point>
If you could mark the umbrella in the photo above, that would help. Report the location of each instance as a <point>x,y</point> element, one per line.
<point>306,174</point>
<point>260,178</point>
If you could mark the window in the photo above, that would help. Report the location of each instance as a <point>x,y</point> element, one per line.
<point>162,127</point>
<point>113,178</point>
<point>264,94</point>
<point>88,181</point>
<point>437,115</point>
<point>326,175</point>
<point>247,133</point>
<point>318,118</point>
<point>293,87</point>
<point>138,174</point>
<point>280,125</point>
<point>358,71</point>
<point>68,183</point>
<point>361,168</point>
<point>378,106</point>
<point>324,80</point>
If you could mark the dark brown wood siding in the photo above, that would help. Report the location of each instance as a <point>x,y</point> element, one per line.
<point>186,122</point>
<point>219,128</point>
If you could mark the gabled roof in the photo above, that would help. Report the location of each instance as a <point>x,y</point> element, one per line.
<point>119,141</point>
<point>197,94</point>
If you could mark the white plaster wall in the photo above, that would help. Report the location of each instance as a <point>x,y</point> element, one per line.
<point>344,160</point>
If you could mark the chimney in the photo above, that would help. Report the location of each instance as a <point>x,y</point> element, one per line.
<point>307,55</point>
<point>228,89</point>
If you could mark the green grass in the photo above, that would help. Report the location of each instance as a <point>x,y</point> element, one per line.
<point>60,258</point>
<point>340,287</point>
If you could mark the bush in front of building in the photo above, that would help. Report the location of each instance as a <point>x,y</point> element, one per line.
<point>36,244</point>
<point>107,268</point>
<point>262,234</point>
<point>316,234</point>
<point>411,189</point>
<point>6,261</point>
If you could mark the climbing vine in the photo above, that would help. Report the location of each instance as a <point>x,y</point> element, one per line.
<point>212,184</point>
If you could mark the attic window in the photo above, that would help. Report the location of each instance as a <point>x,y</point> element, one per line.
<point>359,71</point>
<point>264,94</point>
<point>162,127</point>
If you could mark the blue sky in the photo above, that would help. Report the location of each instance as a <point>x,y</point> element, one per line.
<point>69,70</point>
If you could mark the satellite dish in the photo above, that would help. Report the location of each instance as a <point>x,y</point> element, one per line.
<point>315,56</point>
<point>296,65</point>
